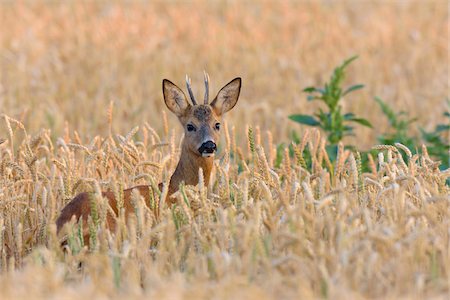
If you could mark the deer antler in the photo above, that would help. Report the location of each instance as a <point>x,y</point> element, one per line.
<point>206,87</point>
<point>191,94</point>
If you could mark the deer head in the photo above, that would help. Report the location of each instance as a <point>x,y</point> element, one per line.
<point>201,122</point>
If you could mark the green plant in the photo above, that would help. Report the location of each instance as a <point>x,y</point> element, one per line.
<point>400,127</point>
<point>332,121</point>
<point>438,146</point>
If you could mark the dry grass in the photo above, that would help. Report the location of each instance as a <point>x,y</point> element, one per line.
<point>325,230</point>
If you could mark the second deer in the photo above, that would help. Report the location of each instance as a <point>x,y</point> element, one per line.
<point>201,123</point>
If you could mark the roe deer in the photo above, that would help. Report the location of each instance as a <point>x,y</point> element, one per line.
<point>201,124</point>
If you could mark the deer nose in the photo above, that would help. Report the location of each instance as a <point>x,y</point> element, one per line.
<point>207,148</point>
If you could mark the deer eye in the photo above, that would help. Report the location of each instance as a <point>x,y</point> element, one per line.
<point>190,127</point>
<point>217,126</point>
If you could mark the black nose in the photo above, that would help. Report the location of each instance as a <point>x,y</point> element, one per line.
<point>207,147</point>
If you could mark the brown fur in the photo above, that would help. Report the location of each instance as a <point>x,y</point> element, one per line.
<point>80,206</point>
<point>202,112</point>
<point>204,117</point>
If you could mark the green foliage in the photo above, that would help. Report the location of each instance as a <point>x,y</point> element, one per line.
<point>335,123</point>
<point>332,121</point>
<point>279,155</point>
<point>400,124</point>
<point>437,141</point>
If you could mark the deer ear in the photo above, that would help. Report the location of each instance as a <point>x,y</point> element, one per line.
<point>227,97</point>
<point>174,98</point>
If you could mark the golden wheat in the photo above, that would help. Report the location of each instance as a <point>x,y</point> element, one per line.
<point>276,231</point>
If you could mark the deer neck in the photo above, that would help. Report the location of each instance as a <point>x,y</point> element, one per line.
<point>188,168</point>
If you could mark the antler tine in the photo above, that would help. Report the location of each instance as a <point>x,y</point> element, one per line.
<point>191,94</point>
<point>206,87</point>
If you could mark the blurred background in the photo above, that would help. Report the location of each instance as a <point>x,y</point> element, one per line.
<point>65,61</point>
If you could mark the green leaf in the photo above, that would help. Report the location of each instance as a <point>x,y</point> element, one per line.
<point>362,121</point>
<point>348,61</point>
<point>349,116</point>
<point>353,88</point>
<point>388,111</point>
<point>310,89</point>
<point>304,119</point>
<point>279,156</point>
<point>295,137</point>
<point>442,127</point>
<point>348,129</point>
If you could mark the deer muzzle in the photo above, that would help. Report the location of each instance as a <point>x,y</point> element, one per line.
<point>207,149</point>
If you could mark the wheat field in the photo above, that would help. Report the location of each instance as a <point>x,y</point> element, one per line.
<point>82,110</point>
